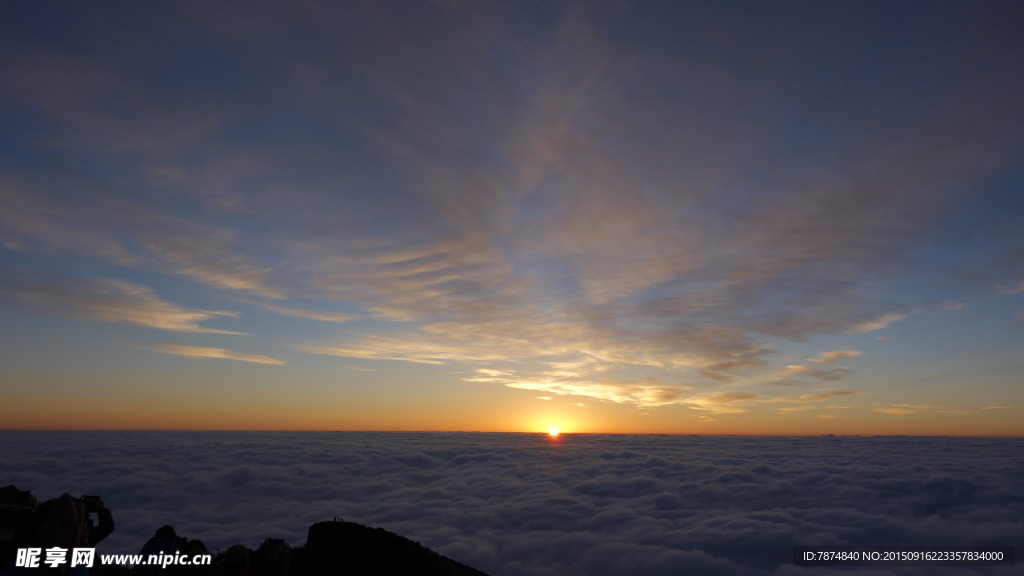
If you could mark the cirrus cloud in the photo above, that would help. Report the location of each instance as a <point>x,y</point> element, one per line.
<point>108,300</point>
<point>204,352</point>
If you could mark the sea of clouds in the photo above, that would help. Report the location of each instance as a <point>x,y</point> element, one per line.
<point>523,504</point>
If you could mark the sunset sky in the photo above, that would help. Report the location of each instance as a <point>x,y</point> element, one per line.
<point>667,217</point>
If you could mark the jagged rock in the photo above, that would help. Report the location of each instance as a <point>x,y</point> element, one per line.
<point>347,548</point>
<point>332,548</point>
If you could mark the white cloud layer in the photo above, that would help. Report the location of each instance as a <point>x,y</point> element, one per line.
<point>520,505</point>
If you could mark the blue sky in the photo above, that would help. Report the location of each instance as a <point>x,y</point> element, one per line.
<point>672,217</point>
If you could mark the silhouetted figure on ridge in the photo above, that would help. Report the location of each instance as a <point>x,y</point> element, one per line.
<point>62,522</point>
<point>164,541</point>
<point>97,532</point>
<point>192,549</point>
<point>63,526</point>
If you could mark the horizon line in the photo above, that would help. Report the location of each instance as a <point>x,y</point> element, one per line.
<point>539,433</point>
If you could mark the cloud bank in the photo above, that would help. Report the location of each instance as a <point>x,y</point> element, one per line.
<point>522,505</point>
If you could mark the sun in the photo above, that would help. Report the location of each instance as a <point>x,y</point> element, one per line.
<point>553,432</point>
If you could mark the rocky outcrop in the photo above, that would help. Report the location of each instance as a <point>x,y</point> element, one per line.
<point>347,548</point>
<point>332,548</point>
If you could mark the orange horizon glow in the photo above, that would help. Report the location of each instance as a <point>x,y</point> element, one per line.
<point>439,431</point>
<point>508,414</point>
<point>137,425</point>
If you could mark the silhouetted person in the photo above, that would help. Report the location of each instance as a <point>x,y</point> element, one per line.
<point>62,522</point>
<point>162,541</point>
<point>97,532</point>
<point>62,525</point>
<point>192,548</point>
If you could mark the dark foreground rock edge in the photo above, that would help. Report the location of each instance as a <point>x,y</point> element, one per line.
<point>339,547</point>
<point>331,548</point>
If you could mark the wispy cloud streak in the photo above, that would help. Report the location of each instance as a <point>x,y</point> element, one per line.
<point>220,353</point>
<point>107,300</point>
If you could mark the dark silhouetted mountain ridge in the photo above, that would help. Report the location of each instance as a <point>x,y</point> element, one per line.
<point>339,547</point>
